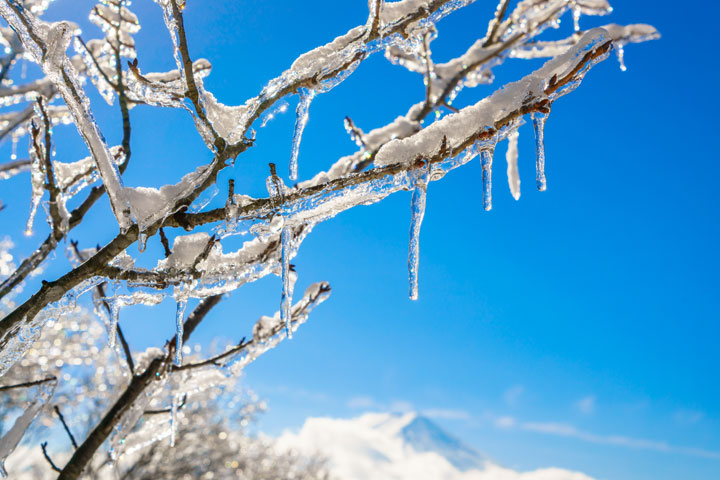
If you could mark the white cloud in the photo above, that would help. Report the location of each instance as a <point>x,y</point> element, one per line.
<point>401,406</point>
<point>513,394</point>
<point>504,422</point>
<point>565,430</point>
<point>361,402</point>
<point>688,417</point>
<point>447,414</point>
<point>586,405</point>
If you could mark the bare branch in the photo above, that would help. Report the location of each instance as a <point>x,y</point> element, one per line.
<point>65,426</point>
<point>28,384</point>
<point>47,457</point>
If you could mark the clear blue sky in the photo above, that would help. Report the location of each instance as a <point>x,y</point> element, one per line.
<point>575,328</point>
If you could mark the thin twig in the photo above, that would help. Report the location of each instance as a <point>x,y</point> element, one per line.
<point>167,410</point>
<point>165,243</point>
<point>65,426</point>
<point>43,445</point>
<point>28,384</point>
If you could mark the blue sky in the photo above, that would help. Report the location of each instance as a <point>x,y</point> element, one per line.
<point>575,328</point>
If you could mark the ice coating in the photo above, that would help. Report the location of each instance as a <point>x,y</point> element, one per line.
<point>286,297</point>
<point>10,440</point>
<point>620,34</point>
<point>459,127</point>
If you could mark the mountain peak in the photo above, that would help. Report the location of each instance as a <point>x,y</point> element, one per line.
<point>400,446</point>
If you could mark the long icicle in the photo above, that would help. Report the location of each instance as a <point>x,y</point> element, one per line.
<point>286,298</point>
<point>539,126</point>
<point>173,418</point>
<point>418,202</point>
<point>512,167</point>
<point>37,180</point>
<point>487,160</point>
<point>114,318</point>
<point>302,112</point>
<point>180,327</point>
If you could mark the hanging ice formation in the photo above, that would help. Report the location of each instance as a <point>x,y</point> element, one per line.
<point>12,437</point>
<point>512,166</point>
<point>286,297</point>
<point>486,156</point>
<point>181,299</point>
<point>539,126</point>
<point>302,112</point>
<point>37,178</point>
<point>418,201</point>
<point>174,418</point>
<point>117,302</point>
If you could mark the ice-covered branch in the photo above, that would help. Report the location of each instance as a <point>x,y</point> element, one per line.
<point>47,44</point>
<point>155,369</point>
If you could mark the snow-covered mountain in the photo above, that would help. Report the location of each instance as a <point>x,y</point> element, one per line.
<point>382,446</point>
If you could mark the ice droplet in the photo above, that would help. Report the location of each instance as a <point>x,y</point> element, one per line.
<point>286,298</point>
<point>487,160</point>
<point>302,112</point>
<point>539,125</point>
<point>417,203</point>
<point>512,167</point>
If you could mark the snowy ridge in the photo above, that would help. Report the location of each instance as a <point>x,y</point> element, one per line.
<point>383,446</point>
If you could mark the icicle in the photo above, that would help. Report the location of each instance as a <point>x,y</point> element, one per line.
<point>12,437</point>
<point>286,298</point>
<point>180,327</point>
<point>302,112</point>
<point>539,125</point>
<point>418,213</point>
<point>512,167</point>
<point>620,51</point>
<point>487,160</point>
<point>173,418</point>
<point>114,318</point>
<point>37,178</point>
<point>142,241</point>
